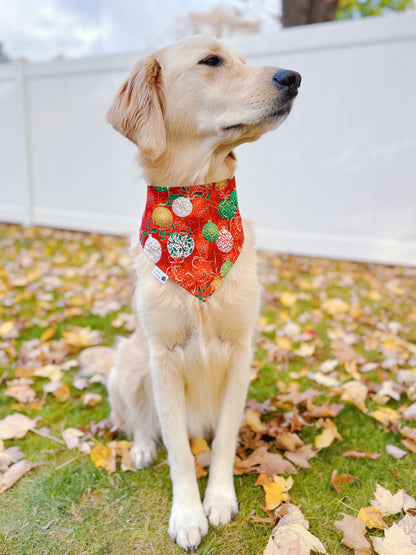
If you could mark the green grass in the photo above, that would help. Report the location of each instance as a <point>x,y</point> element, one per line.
<point>79,509</point>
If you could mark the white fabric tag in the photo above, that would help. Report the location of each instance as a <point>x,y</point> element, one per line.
<point>160,275</point>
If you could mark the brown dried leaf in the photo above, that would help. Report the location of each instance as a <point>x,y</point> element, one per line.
<point>262,461</point>
<point>358,454</point>
<point>301,456</point>
<point>22,393</point>
<point>322,411</point>
<point>341,479</point>
<point>354,531</point>
<point>15,472</point>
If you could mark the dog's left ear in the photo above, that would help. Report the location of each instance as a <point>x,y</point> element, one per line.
<point>137,110</point>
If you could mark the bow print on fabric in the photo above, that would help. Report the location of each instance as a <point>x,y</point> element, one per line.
<point>193,234</point>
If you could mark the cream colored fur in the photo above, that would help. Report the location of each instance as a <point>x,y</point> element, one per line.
<point>185,370</point>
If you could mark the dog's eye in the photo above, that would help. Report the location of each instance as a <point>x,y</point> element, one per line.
<point>211,61</point>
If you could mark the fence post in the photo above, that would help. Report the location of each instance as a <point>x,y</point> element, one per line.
<point>27,161</point>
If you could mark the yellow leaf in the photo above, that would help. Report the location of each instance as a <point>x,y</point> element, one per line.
<point>288,299</point>
<point>62,393</point>
<point>374,295</point>
<point>263,479</point>
<point>286,483</point>
<point>386,416</point>
<point>372,518</point>
<point>253,420</point>
<point>284,343</point>
<point>104,457</point>
<point>8,329</point>
<point>199,445</point>
<point>274,495</point>
<point>199,471</point>
<point>329,433</point>
<point>335,306</point>
<point>48,334</point>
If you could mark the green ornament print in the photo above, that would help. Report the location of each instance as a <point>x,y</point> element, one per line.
<point>233,197</point>
<point>225,268</point>
<point>210,231</point>
<point>227,209</point>
<point>180,246</point>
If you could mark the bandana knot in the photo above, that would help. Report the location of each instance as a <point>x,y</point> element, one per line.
<point>193,234</point>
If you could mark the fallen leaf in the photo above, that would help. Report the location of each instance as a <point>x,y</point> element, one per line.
<point>104,457</point>
<point>386,416</point>
<point>396,452</point>
<point>328,365</point>
<point>62,393</point>
<point>354,531</point>
<point>16,426</point>
<point>262,461</point>
<point>199,471</point>
<point>288,441</point>
<point>408,524</point>
<point>342,478</point>
<point>358,454</point>
<point>72,436</point>
<point>274,495</point>
<point>10,456</point>
<point>372,518</point>
<point>96,360</point>
<point>22,393</point>
<point>301,456</point>
<point>15,472</point>
<point>327,436</point>
<point>410,412</point>
<point>322,411</point>
<point>9,329</point>
<point>295,539</point>
<point>395,541</point>
<point>51,371</point>
<point>91,399</point>
<point>199,445</point>
<point>390,504</point>
<point>253,421</point>
<point>77,336</point>
<point>356,393</point>
<point>409,444</point>
<point>297,398</point>
<point>322,379</point>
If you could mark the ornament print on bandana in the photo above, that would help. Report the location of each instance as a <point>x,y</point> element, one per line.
<point>193,234</point>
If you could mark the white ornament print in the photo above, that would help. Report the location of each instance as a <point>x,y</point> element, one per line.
<point>182,206</point>
<point>153,249</point>
<point>225,241</point>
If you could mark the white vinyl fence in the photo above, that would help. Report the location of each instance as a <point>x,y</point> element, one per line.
<point>338,179</point>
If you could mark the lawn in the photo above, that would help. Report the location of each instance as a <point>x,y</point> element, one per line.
<point>334,369</point>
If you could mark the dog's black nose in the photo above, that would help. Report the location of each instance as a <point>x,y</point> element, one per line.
<point>287,79</point>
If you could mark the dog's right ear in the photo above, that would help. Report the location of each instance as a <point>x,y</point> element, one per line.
<point>137,110</point>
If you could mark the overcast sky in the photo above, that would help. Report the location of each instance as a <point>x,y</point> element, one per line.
<point>43,29</point>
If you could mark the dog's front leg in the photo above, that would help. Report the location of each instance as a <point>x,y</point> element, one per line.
<point>188,523</point>
<point>220,502</point>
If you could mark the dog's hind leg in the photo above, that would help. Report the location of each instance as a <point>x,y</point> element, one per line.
<point>132,400</point>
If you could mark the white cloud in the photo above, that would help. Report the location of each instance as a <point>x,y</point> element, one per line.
<point>41,30</point>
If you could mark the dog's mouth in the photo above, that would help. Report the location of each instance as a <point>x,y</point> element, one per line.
<point>273,114</point>
<point>277,112</point>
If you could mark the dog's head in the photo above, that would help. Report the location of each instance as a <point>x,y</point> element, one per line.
<point>198,89</point>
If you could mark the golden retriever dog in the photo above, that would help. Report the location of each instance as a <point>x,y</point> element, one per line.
<point>185,370</point>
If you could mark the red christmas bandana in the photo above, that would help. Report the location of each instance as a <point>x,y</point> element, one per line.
<point>193,234</point>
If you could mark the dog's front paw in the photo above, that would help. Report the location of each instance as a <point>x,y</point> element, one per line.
<point>188,525</point>
<point>143,454</point>
<point>220,507</point>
